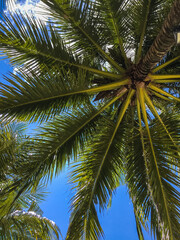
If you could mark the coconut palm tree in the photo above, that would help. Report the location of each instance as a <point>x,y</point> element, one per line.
<point>104,75</point>
<point>20,215</point>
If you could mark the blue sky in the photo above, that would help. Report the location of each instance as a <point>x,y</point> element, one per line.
<point>118,222</point>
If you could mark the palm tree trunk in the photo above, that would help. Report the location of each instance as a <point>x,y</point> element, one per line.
<point>162,44</point>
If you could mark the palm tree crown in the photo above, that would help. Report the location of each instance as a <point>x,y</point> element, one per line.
<point>105,74</point>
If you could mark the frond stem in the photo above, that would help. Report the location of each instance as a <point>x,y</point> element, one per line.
<point>155,88</point>
<point>160,96</point>
<point>89,91</point>
<point>93,70</point>
<point>165,64</point>
<point>142,103</point>
<point>158,77</point>
<point>166,81</point>
<point>158,117</point>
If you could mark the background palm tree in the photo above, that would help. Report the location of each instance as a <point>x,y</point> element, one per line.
<point>105,74</point>
<point>23,219</point>
<point>20,215</point>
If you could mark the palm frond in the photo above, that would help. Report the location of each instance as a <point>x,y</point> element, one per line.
<point>142,24</point>
<point>31,43</point>
<point>114,15</point>
<point>142,179</point>
<point>98,184</point>
<point>167,214</point>
<point>22,224</point>
<point>41,96</point>
<point>23,218</point>
<point>96,175</point>
<point>162,92</point>
<point>82,20</point>
<point>37,97</point>
<point>13,143</point>
<point>167,63</point>
<point>60,141</point>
